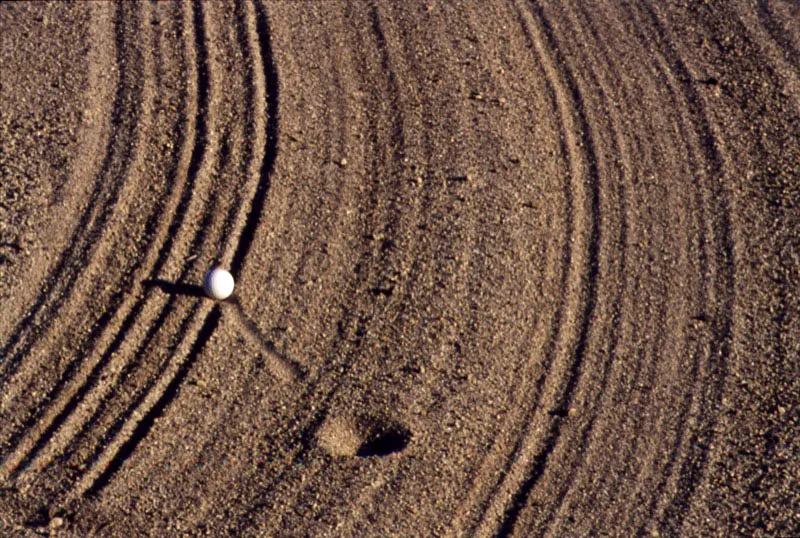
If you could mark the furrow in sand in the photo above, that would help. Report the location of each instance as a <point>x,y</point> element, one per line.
<point>603,434</point>
<point>302,272</point>
<point>85,178</point>
<point>121,157</point>
<point>258,50</point>
<point>785,34</point>
<point>529,374</point>
<point>153,406</point>
<point>145,317</point>
<point>320,387</point>
<point>168,321</point>
<point>109,428</point>
<point>251,136</point>
<point>111,333</point>
<point>642,437</point>
<point>211,221</point>
<point>252,36</point>
<point>571,332</point>
<point>34,330</point>
<point>612,174</point>
<point>694,443</point>
<point>89,395</point>
<point>661,345</point>
<point>391,226</point>
<point>323,388</point>
<point>268,88</point>
<point>669,316</point>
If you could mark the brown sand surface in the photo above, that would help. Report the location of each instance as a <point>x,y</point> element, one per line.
<point>504,268</point>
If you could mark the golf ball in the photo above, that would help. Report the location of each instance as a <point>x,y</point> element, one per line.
<point>218,284</point>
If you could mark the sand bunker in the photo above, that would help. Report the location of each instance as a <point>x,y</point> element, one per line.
<point>503,269</point>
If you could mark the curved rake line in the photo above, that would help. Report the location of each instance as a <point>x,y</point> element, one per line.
<point>396,119</point>
<point>693,466</point>
<point>520,498</point>
<point>146,423</point>
<point>198,153</point>
<point>614,330</point>
<point>98,209</point>
<point>70,372</point>
<point>306,429</point>
<point>790,54</point>
<point>136,307</point>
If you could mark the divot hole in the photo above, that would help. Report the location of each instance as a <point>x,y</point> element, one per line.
<point>382,443</point>
<point>362,437</point>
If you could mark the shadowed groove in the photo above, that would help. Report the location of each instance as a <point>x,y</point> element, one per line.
<point>99,207</point>
<point>790,53</point>
<point>519,499</point>
<point>685,130</point>
<point>142,395</point>
<point>125,417</point>
<point>551,347</point>
<point>597,409</point>
<point>120,107</point>
<point>270,147</point>
<point>198,141</point>
<point>136,310</point>
<point>122,421</point>
<point>146,423</point>
<point>615,325</point>
<point>694,462</point>
<point>489,478</point>
<point>350,322</point>
<point>282,366</point>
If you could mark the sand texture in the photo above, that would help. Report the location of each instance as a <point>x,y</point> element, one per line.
<point>504,268</point>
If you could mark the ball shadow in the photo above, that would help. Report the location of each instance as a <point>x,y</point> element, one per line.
<point>174,288</point>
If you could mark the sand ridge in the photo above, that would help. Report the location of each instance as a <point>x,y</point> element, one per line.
<point>503,269</point>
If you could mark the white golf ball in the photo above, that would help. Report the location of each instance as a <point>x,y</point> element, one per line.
<point>218,284</point>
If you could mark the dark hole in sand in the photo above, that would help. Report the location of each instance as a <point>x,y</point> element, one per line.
<point>362,437</point>
<point>385,442</point>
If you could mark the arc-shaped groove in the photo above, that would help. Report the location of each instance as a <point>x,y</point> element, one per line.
<point>530,371</point>
<point>82,381</point>
<point>253,216</point>
<point>397,222</point>
<point>693,461</point>
<point>352,322</point>
<point>694,162</point>
<point>591,181</point>
<point>791,54</point>
<point>127,91</point>
<point>270,147</point>
<point>462,241</point>
<point>125,432</point>
<point>227,226</point>
<point>94,139</point>
<point>283,367</point>
<point>558,512</point>
<point>100,205</point>
<point>144,425</point>
<point>567,148</point>
<point>197,139</point>
<point>198,238</point>
<point>618,147</point>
